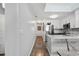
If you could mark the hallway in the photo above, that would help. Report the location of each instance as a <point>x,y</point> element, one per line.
<point>39,48</point>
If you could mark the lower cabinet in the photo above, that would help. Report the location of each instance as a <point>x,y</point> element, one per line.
<point>48,43</point>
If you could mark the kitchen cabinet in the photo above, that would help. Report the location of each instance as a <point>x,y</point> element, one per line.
<point>74,19</point>
<point>77,18</point>
<point>70,19</point>
<point>48,43</point>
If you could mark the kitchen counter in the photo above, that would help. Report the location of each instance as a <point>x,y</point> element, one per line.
<point>65,44</point>
<point>70,36</point>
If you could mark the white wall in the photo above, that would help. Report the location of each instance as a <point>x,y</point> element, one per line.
<point>19,34</point>
<point>27,34</point>
<point>2,24</point>
<point>12,42</point>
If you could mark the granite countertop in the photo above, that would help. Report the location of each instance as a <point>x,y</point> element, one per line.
<point>69,36</point>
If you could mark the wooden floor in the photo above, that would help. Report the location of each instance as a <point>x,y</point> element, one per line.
<point>39,48</point>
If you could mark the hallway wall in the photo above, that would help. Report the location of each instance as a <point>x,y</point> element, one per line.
<point>2,25</point>
<point>19,34</point>
<point>26,32</point>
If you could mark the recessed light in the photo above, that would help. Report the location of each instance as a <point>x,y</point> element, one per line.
<point>3,5</point>
<point>53,16</point>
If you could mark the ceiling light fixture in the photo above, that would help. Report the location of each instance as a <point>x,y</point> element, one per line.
<point>3,5</point>
<point>53,16</point>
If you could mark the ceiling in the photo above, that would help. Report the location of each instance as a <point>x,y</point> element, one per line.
<point>44,10</point>
<point>61,7</point>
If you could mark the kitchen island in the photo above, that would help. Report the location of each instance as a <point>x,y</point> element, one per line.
<point>63,42</point>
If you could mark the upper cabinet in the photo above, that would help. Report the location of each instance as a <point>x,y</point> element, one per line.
<point>72,20</point>
<point>77,18</point>
<point>69,19</point>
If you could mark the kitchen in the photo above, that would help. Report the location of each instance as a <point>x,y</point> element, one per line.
<point>62,26</point>
<point>56,23</point>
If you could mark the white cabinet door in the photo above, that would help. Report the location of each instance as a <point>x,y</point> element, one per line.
<point>72,21</point>
<point>77,18</point>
